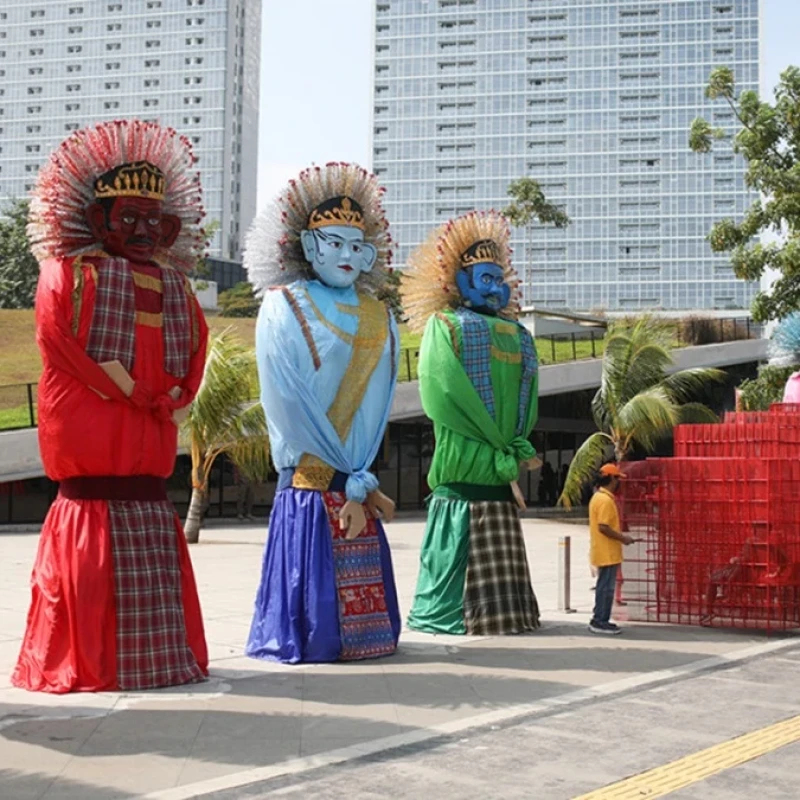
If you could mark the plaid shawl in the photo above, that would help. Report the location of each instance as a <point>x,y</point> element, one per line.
<point>498,596</point>
<point>112,335</point>
<point>476,355</point>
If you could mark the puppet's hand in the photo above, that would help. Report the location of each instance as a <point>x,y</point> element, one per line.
<point>352,519</point>
<point>380,506</point>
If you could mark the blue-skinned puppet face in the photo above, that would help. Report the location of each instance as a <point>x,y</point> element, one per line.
<point>482,282</point>
<point>334,243</point>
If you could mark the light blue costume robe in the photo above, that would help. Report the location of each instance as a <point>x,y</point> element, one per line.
<point>327,363</point>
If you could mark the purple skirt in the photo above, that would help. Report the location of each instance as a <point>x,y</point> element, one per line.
<point>312,582</point>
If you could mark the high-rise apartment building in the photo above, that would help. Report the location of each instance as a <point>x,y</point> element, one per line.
<point>592,99</point>
<point>190,64</point>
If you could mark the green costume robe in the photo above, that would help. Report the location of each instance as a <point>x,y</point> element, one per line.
<point>479,385</point>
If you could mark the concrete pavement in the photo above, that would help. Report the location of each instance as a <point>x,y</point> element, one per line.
<point>255,721</point>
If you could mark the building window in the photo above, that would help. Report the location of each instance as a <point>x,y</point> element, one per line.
<point>33,129</point>
<point>112,84</point>
<point>154,4</point>
<point>153,43</point>
<point>114,26</point>
<point>154,23</point>
<point>34,90</point>
<point>72,106</point>
<point>113,65</point>
<point>113,46</point>
<point>36,32</point>
<point>73,87</point>
<point>153,62</point>
<point>74,67</point>
<point>75,29</point>
<point>111,104</point>
<point>74,48</point>
<point>38,12</point>
<point>115,6</point>
<point>76,9</point>
<point>34,109</point>
<point>149,103</point>
<point>71,126</point>
<point>35,70</point>
<point>151,82</point>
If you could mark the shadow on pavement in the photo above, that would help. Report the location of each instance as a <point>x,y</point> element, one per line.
<point>17,784</point>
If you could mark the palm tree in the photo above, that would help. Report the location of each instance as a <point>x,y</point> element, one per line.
<point>637,402</point>
<point>224,419</point>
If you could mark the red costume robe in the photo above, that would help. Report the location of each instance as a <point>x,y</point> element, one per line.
<point>114,601</point>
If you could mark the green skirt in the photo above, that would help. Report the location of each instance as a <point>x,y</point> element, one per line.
<point>473,574</point>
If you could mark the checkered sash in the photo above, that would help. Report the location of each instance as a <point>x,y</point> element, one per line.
<point>151,633</point>
<point>365,629</point>
<point>498,596</point>
<point>113,331</point>
<point>476,355</point>
<point>529,367</point>
<point>177,324</point>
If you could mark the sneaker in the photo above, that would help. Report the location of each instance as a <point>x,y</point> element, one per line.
<point>607,628</point>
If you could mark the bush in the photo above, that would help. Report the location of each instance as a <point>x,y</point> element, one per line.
<point>239,301</point>
<point>697,330</point>
<point>758,394</point>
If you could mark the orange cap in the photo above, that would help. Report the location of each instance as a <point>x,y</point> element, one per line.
<point>611,469</point>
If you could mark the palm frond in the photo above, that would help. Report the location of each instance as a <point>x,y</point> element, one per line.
<point>685,385</point>
<point>648,417</point>
<point>225,389</point>
<point>584,466</point>
<point>696,413</point>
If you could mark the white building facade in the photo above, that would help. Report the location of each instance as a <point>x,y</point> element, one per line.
<point>189,64</point>
<point>594,99</point>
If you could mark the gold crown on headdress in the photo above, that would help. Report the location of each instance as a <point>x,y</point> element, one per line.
<point>139,179</point>
<point>337,211</point>
<point>482,252</point>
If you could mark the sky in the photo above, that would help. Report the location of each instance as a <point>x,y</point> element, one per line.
<point>316,81</point>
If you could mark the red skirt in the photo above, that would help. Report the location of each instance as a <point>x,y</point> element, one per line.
<point>114,601</point>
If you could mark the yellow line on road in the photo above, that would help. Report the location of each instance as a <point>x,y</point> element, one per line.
<point>701,765</point>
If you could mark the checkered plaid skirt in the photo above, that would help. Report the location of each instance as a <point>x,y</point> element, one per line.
<point>498,595</point>
<point>152,648</point>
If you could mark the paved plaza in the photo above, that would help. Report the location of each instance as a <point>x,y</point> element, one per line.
<point>550,715</point>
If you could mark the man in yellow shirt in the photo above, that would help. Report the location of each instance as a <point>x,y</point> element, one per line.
<point>606,547</point>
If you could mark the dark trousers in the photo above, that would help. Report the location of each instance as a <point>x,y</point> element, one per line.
<point>604,593</point>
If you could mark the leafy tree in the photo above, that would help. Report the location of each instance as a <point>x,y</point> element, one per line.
<point>238,301</point>
<point>528,202</point>
<point>224,419</point>
<point>637,402</point>
<point>390,294</point>
<point>769,142</point>
<point>19,271</point>
<point>759,393</point>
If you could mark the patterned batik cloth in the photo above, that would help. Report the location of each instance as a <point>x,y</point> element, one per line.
<point>152,649</point>
<point>364,625</point>
<point>498,595</point>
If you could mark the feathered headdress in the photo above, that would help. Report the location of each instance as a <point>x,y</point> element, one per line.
<point>273,253</point>
<point>428,283</point>
<point>785,344</point>
<point>66,186</point>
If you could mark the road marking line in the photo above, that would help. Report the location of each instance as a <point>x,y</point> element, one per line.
<point>297,766</point>
<point>698,766</point>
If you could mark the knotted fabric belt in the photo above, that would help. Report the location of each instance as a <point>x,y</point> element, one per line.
<point>112,487</point>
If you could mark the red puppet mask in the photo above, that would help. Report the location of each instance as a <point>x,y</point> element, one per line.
<point>127,217</point>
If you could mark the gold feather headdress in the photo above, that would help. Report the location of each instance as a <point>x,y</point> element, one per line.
<point>428,282</point>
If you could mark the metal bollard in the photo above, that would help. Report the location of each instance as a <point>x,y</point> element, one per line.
<point>564,574</point>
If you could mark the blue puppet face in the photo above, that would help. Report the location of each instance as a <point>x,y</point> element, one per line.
<point>484,288</point>
<point>338,254</point>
